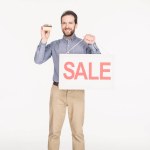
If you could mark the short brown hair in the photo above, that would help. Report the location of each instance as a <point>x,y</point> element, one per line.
<point>69,12</point>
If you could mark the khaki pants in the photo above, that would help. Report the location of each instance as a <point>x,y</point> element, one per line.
<point>59,100</point>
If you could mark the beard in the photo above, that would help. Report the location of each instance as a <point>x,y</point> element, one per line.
<point>68,32</point>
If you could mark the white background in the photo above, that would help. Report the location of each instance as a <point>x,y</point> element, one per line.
<point>116,119</point>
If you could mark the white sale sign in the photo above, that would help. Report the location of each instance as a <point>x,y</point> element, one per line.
<point>85,71</point>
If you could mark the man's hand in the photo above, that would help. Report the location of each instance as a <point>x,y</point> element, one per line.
<point>89,39</point>
<point>45,34</point>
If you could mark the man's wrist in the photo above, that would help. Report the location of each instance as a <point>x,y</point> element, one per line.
<point>43,41</point>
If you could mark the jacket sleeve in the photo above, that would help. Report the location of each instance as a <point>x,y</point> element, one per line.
<point>43,53</point>
<point>92,49</point>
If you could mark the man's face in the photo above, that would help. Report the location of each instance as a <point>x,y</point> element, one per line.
<point>68,25</point>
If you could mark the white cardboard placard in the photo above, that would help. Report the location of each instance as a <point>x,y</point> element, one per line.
<point>85,71</point>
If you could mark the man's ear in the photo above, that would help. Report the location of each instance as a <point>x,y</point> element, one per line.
<point>76,25</point>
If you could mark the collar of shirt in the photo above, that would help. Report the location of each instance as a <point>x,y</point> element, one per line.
<point>69,38</point>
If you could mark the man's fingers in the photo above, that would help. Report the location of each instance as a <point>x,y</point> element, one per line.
<point>90,39</point>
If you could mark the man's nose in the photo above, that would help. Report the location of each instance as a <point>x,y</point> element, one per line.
<point>67,25</point>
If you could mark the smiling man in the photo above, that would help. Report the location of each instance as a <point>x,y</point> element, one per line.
<point>62,99</point>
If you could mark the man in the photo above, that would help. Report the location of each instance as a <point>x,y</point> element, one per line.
<point>60,99</point>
